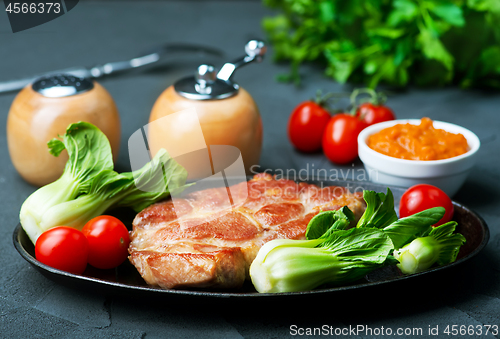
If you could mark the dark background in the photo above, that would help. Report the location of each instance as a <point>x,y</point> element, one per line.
<point>98,32</point>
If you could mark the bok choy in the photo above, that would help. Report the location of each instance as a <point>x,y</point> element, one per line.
<point>89,186</point>
<point>440,246</point>
<point>334,254</point>
<point>337,256</point>
<point>417,244</point>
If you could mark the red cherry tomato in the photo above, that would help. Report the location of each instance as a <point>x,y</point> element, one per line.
<point>340,140</point>
<point>421,197</point>
<point>64,248</point>
<point>373,114</point>
<point>306,126</point>
<point>108,241</point>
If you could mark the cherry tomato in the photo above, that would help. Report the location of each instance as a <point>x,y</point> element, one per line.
<point>108,241</point>
<point>421,197</point>
<point>64,248</point>
<point>373,114</point>
<point>306,126</point>
<point>340,140</point>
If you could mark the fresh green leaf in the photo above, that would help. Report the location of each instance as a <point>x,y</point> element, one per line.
<point>326,222</point>
<point>327,11</point>
<point>404,11</point>
<point>342,64</point>
<point>158,179</point>
<point>386,32</point>
<point>88,149</point>
<point>489,61</point>
<point>363,244</point>
<point>450,242</point>
<point>484,5</point>
<point>403,50</point>
<point>379,210</point>
<point>449,12</point>
<point>433,48</point>
<point>406,229</point>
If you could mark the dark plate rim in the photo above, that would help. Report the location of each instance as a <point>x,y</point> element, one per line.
<point>18,231</point>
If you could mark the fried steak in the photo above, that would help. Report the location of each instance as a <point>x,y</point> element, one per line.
<point>201,243</point>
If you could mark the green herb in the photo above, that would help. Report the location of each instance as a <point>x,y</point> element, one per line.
<point>395,42</point>
<point>89,186</point>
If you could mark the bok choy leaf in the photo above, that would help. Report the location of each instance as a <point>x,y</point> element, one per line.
<point>406,229</point>
<point>322,224</point>
<point>379,210</point>
<point>380,213</point>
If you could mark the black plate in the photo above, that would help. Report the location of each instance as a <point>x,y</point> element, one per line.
<point>125,280</point>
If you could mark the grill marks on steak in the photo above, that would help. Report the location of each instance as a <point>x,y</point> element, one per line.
<point>274,214</point>
<point>202,242</point>
<point>241,228</point>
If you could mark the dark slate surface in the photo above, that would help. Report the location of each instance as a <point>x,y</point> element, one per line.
<point>33,306</point>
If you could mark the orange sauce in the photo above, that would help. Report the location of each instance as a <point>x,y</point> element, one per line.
<point>418,142</point>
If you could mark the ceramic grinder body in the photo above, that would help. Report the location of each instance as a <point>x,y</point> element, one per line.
<point>43,110</point>
<point>227,113</point>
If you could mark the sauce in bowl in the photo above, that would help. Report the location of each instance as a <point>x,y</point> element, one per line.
<point>418,142</point>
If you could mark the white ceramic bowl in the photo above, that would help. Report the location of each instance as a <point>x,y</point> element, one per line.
<point>447,174</point>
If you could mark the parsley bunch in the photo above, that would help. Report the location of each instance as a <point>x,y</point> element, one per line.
<point>394,42</point>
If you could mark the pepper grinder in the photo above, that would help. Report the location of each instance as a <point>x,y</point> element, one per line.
<point>43,110</point>
<point>226,112</point>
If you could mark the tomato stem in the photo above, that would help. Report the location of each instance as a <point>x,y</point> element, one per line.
<point>375,98</point>
<point>327,100</point>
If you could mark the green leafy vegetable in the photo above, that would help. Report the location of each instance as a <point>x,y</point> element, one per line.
<point>395,42</point>
<point>440,246</point>
<point>379,211</point>
<point>89,186</point>
<point>285,265</point>
<point>406,229</point>
<point>333,254</point>
<point>322,224</point>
